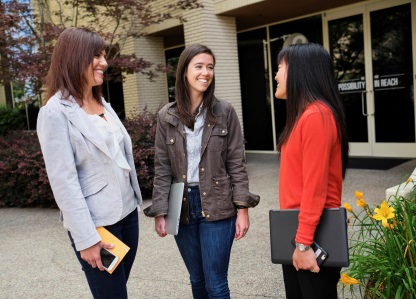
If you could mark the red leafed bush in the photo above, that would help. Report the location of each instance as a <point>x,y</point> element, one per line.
<point>23,178</point>
<point>142,130</point>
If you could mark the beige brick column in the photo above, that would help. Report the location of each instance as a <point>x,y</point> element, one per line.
<point>2,95</point>
<point>219,34</point>
<point>138,91</point>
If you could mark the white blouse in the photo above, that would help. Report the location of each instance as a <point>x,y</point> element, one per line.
<point>111,132</point>
<point>193,147</point>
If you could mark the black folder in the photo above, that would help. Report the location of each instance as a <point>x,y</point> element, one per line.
<point>331,234</point>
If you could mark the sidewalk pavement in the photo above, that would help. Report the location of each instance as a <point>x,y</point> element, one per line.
<point>37,261</point>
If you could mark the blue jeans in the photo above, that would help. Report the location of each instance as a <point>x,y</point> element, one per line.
<point>101,283</point>
<point>205,248</point>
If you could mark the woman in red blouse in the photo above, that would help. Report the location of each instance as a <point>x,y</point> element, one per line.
<point>314,154</point>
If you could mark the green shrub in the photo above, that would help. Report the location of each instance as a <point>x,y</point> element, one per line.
<point>10,119</point>
<point>383,249</point>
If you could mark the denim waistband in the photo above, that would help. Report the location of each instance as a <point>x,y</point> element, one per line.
<point>193,188</point>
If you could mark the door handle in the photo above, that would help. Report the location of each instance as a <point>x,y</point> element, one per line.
<point>373,106</point>
<point>362,104</point>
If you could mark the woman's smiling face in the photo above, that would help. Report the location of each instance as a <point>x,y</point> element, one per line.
<point>95,74</point>
<point>199,73</point>
<point>280,78</point>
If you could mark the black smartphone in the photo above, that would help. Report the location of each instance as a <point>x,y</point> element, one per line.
<point>320,253</point>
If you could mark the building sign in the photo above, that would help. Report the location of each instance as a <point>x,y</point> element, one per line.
<point>352,85</point>
<point>387,82</point>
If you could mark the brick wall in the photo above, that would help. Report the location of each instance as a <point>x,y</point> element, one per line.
<point>219,34</point>
<point>138,91</point>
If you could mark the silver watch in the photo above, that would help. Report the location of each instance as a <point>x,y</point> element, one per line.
<point>302,247</point>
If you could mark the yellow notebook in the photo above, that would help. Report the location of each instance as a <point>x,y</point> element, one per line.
<point>120,249</point>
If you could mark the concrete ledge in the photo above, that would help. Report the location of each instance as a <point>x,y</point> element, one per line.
<point>403,189</point>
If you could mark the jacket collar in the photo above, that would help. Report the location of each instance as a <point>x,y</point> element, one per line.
<point>81,121</point>
<point>172,115</point>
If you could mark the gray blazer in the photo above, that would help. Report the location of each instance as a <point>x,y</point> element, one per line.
<point>79,169</point>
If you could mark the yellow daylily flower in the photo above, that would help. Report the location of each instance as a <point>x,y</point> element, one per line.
<point>347,207</point>
<point>409,180</point>
<point>391,226</point>
<point>348,280</point>
<point>358,194</point>
<point>384,213</point>
<point>361,202</point>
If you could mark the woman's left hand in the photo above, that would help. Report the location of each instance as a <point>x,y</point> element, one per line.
<point>305,260</point>
<point>241,224</point>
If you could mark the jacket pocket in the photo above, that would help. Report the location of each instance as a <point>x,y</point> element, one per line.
<point>223,193</point>
<point>170,144</point>
<point>217,140</point>
<point>93,184</point>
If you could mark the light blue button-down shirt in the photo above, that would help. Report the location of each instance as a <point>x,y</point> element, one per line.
<point>193,147</point>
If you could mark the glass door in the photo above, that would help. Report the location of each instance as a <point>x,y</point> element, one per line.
<point>393,79</point>
<point>373,56</point>
<point>346,46</point>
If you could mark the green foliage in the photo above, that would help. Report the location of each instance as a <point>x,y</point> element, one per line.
<point>383,257</point>
<point>18,90</point>
<point>10,119</point>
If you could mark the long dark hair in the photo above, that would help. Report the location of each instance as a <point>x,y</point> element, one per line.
<point>73,54</point>
<point>181,86</point>
<point>310,78</point>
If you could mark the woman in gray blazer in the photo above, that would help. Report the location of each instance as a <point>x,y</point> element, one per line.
<point>89,159</point>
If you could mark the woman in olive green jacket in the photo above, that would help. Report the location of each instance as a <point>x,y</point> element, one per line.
<point>199,142</point>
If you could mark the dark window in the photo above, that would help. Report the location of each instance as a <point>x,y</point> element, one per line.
<point>172,57</point>
<point>302,30</point>
<point>255,93</point>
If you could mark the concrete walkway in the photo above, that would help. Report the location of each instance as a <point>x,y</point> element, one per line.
<point>37,261</point>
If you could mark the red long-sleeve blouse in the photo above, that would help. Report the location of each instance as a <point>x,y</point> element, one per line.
<point>311,169</point>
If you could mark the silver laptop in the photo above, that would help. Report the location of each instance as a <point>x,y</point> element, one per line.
<point>331,235</point>
<point>174,209</point>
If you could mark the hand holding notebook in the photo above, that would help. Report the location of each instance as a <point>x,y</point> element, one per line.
<point>120,249</point>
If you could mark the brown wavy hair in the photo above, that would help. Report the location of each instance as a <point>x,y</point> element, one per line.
<point>73,54</point>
